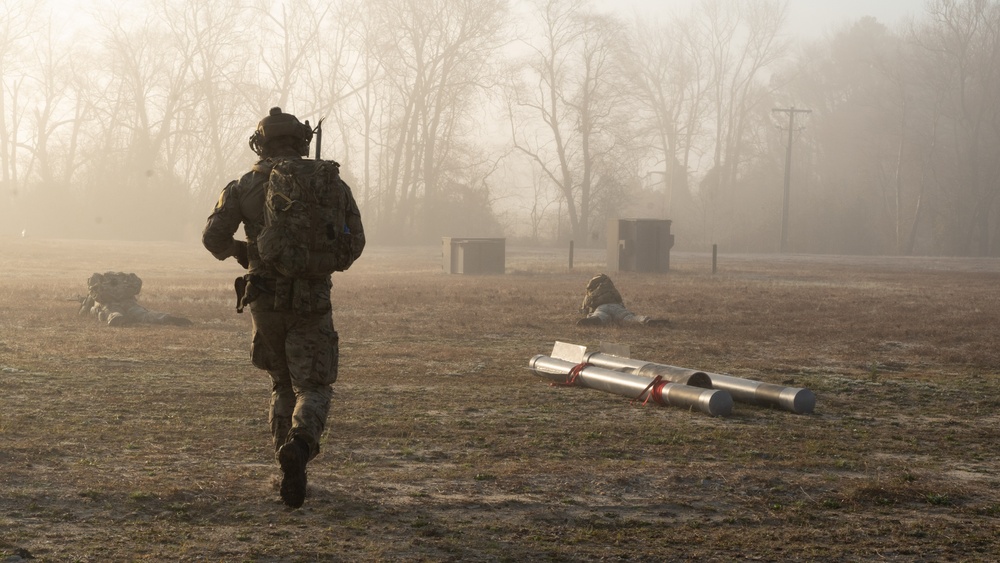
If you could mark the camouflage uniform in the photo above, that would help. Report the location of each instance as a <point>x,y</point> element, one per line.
<point>293,334</point>
<point>604,305</point>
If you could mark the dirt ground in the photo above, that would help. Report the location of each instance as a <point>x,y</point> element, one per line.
<point>151,442</point>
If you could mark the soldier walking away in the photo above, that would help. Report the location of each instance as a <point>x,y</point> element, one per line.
<point>604,305</point>
<point>288,283</point>
<point>111,298</point>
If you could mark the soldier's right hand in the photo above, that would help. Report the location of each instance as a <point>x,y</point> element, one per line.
<point>240,253</point>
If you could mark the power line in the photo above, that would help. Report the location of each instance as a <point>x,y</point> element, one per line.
<point>788,171</point>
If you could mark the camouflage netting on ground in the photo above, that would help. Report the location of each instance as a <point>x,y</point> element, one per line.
<point>111,287</point>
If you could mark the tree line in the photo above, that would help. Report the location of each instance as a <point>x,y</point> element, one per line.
<point>534,119</point>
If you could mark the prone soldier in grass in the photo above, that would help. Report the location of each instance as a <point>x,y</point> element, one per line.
<point>302,224</point>
<point>603,305</point>
<point>112,299</point>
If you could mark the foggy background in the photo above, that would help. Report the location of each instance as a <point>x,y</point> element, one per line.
<point>537,121</point>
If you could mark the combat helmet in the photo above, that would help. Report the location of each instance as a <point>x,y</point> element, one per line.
<point>278,124</point>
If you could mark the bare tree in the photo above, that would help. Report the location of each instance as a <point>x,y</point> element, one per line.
<point>667,72</point>
<point>564,107</point>
<point>740,40</point>
<point>163,113</point>
<point>434,57</point>
<point>205,93</point>
<point>335,77</point>
<point>904,99</point>
<point>962,40</point>
<point>368,106</point>
<point>17,23</point>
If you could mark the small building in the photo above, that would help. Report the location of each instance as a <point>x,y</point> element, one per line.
<point>474,255</point>
<point>639,245</point>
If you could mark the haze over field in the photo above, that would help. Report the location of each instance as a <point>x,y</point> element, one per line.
<point>808,19</point>
<point>537,121</point>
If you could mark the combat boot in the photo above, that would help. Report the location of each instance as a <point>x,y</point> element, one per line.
<point>292,457</point>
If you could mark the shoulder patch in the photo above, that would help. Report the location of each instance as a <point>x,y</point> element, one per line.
<point>222,196</point>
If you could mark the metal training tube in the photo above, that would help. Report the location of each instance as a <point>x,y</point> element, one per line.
<point>673,374</point>
<point>794,399</point>
<point>714,402</point>
<point>616,357</point>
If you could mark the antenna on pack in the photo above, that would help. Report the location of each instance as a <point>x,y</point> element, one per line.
<point>318,131</point>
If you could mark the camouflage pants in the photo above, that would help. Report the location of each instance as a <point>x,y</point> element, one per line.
<point>301,353</point>
<point>611,313</point>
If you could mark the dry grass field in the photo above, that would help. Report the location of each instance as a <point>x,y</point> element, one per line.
<point>151,443</point>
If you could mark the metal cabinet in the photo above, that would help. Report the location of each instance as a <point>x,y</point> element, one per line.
<point>639,245</point>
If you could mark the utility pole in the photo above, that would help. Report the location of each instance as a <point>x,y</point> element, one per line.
<point>788,171</point>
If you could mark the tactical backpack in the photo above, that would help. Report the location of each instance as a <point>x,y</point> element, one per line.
<point>308,218</point>
<point>113,287</point>
<point>601,291</point>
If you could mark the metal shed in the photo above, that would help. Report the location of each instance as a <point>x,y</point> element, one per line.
<point>474,255</point>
